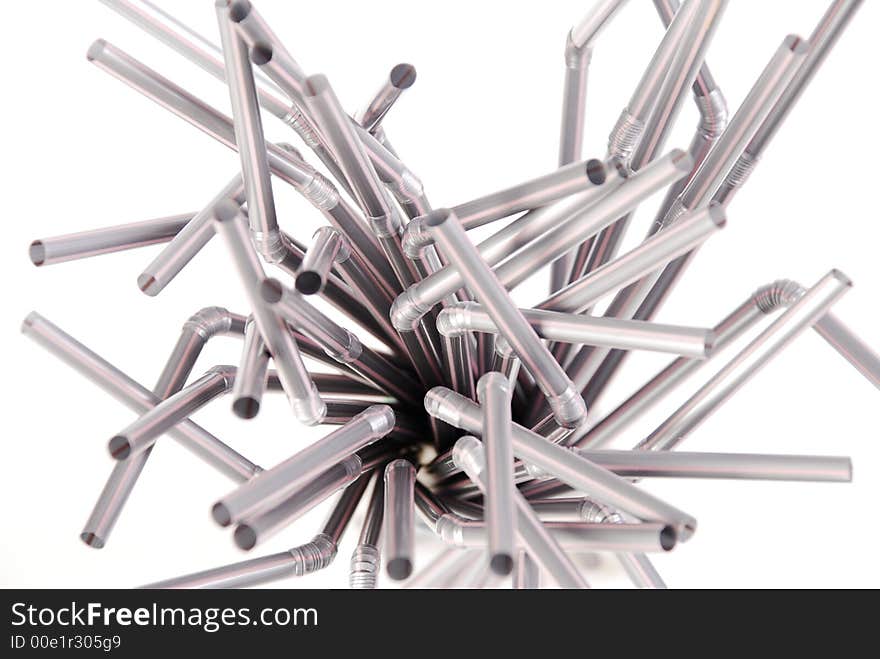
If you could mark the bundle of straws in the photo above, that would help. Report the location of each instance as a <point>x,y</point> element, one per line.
<point>530,484</point>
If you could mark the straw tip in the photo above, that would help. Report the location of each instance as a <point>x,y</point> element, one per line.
<point>438,217</point>
<point>147,284</point>
<point>226,210</point>
<point>29,321</point>
<point>668,538</point>
<point>403,76</point>
<point>796,44</point>
<point>709,342</point>
<point>399,568</point>
<point>309,282</point>
<point>246,407</point>
<point>96,49</point>
<point>92,540</point>
<point>494,380</point>
<point>37,252</point>
<point>261,53</point>
<point>841,277</point>
<point>271,290</point>
<point>221,514</point>
<point>466,455</point>
<point>381,419</point>
<point>718,215</point>
<point>238,9</point>
<point>245,537</point>
<point>119,447</point>
<point>596,171</point>
<point>501,564</point>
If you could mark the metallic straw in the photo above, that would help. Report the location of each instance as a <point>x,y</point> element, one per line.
<point>638,140</point>
<point>566,181</point>
<point>526,573</point>
<point>301,391</point>
<point>399,519</point>
<point>189,242</point>
<point>822,40</point>
<point>85,244</point>
<point>757,354</point>
<point>399,80</point>
<point>365,559</point>
<point>134,396</point>
<point>299,561</point>
<point>268,53</point>
<point>316,188</point>
<point>541,241</point>
<point>249,139</point>
<point>249,533</point>
<point>250,380</point>
<point>563,464</point>
<point>328,247</point>
<point>691,342</point>
<point>337,341</point>
<point>468,455</point>
<point>260,494</point>
<point>196,332</point>
<point>567,405</point>
<point>494,394</point>
<point>140,435</point>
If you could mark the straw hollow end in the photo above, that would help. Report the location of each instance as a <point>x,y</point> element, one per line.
<point>399,568</point>
<point>147,283</point>
<point>596,171</point>
<point>246,407</point>
<point>403,76</point>
<point>501,564</point>
<point>96,49</point>
<point>238,10</point>
<point>309,282</point>
<point>119,447</point>
<point>92,540</point>
<point>668,538</point>
<point>221,514</point>
<point>245,537</point>
<point>37,253</point>
<point>261,54</point>
<point>226,210</point>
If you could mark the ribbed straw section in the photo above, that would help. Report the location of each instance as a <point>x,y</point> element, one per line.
<point>313,556</point>
<point>364,567</point>
<point>780,293</point>
<point>298,122</point>
<point>594,512</point>
<point>713,113</point>
<point>625,137</point>
<point>741,171</point>
<point>321,192</point>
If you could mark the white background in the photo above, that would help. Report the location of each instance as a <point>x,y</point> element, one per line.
<point>81,151</point>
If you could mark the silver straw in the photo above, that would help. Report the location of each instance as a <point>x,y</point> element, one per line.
<point>399,519</point>
<point>260,494</point>
<point>250,380</point>
<point>468,455</point>
<point>757,354</point>
<point>85,244</point>
<point>328,248</point>
<point>494,394</point>
<point>691,342</point>
<point>567,405</point>
<point>301,391</point>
